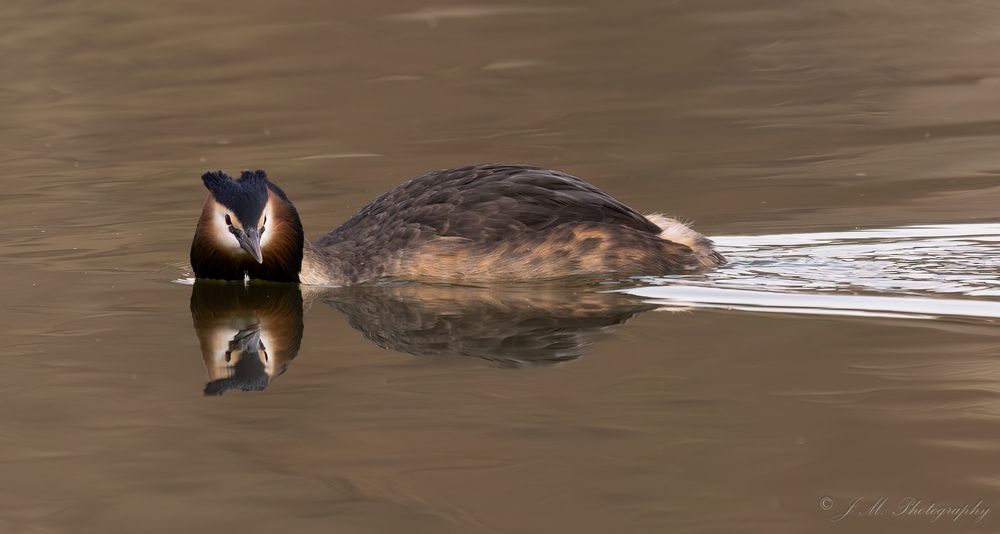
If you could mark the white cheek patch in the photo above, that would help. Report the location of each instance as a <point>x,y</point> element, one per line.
<point>220,341</point>
<point>222,235</point>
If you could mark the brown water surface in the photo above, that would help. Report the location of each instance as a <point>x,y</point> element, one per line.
<point>815,371</point>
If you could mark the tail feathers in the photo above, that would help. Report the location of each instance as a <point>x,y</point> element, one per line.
<point>673,230</point>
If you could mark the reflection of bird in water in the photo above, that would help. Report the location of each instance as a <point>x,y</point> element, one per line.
<point>248,334</point>
<point>513,327</point>
<point>245,364</point>
<point>474,224</point>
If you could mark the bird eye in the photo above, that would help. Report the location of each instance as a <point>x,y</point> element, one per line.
<point>228,220</point>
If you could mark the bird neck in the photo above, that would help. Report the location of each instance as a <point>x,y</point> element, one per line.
<point>319,267</point>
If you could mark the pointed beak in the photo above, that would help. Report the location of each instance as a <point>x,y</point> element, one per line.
<point>250,241</point>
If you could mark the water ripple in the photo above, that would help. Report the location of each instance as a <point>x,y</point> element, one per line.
<point>914,271</point>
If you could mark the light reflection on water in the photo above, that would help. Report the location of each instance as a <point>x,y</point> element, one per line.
<point>911,271</point>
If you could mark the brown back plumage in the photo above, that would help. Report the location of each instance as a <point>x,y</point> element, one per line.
<point>499,223</point>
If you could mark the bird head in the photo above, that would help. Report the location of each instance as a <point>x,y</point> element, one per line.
<point>239,211</point>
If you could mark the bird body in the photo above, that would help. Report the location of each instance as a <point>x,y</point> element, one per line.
<point>475,224</point>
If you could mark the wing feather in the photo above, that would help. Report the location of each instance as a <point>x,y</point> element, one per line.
<point>484,204</point>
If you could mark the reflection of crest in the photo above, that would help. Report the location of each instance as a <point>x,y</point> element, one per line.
<point>510,326</point>
<point>248,333</point>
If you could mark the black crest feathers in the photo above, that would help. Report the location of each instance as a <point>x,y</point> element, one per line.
<point>257,178</point>
<point>216,180</point>
<point>246,197</point>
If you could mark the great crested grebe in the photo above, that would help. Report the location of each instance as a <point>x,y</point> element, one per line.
<point>482,223</point>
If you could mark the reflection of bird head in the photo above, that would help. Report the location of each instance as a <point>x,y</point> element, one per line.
<point>248,333</point>
<point>248,228</point>
<point>247,372</point>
